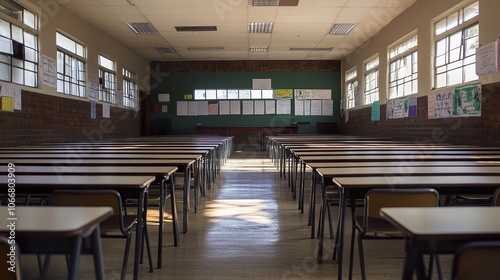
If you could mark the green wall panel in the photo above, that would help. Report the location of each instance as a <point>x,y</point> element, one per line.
<point>182,83</point>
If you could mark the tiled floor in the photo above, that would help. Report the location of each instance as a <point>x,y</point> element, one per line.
<point>248,227</point>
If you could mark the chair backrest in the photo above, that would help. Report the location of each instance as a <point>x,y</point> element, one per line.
<point>496,198</point>
<point>375,199</point>
<point>477,260</point>
<point>110,198</point>
<point>9,260</point>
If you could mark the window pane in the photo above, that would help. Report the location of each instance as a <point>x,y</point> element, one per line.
<point>106,63</point>
<point>30,19</point>
<point>4,72</point>
<point>471,11</point>
<point>4,28</point>
<point>5,45</point>
<point>452,21</point>
<point>440,27</point>
<point>17,34</point>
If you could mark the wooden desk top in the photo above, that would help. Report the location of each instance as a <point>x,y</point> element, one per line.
<point>400,158</point>
<point>92,170</point>
<point>408,171</point>
<point>79,181</point>
<point>69,155</point>
<point>51,221</point>
<point>382,181</point>
<point>446,223</point>
<point>395,152</point>
<point>98,162</point>
<point>401,164</point>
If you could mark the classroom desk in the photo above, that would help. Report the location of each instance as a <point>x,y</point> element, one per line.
<point>388,169</point>
<point>59,230</point>
<point>47,183</point>
<point>445,184</point>
<point>185,164</point>
<point>162,174</point>
<point>438,230</point>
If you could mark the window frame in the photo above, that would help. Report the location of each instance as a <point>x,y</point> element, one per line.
<point>399,54</point>
<point>68,80</point>
<point>107,86</point>
<point>23,71</point>
<point>466,63</point>
<point>351,83</point>
<point>373,93</point>
<point>129,98</point>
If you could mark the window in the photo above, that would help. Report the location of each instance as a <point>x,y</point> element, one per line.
<point>351,87</point>
<point>107,75</point>
<point>18,44</point>
<point>403,68</point>
<point>129,89</point>
<point>456,38</point>
<point>371,80</point>
<point>71,75</point>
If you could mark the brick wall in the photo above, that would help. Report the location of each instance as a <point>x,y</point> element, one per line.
<point>484,130</point>
<point>50,119</point>
<point>248,66</point>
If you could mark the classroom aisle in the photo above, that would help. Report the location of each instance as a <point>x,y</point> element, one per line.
<point>248,227</point>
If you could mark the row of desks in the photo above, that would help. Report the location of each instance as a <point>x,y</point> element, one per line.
<point>354,166</point>
<point>125,165</point>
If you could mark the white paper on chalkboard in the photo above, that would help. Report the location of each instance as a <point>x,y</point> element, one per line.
<point>235,107</point>
<point>259,107</point>
<point>182,108</point>
<point>261,84</point>
<point>284,107</point>
<point>247,107</point>
<point>224,107</point>
<point>270,107</point>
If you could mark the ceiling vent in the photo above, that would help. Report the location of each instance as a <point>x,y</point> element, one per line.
<point>206,49</point>
<point>274,2</point>
<point>311,49</point>
<point>142,28</point>
<point>341,28</point>
<point>164,49</point>
<point>196,28</point>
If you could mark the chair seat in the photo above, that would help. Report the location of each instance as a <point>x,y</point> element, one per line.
<point>378,227</point>
<point>112,224</point>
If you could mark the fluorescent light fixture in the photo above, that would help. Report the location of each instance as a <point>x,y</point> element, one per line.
<point>142,28</point>
<point>196,28</point>
<point>164,49</point>
<point>205,49</point>
<point>310,49</point>
<point>257,49</point>
<point>260,27</point>
<point>341,28</point>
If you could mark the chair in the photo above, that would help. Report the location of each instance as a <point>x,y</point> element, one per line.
<point>6,272</point>
<point>371,225</point>
<point>476,260</point>
<point>117,226</point>
<point>496,198</point>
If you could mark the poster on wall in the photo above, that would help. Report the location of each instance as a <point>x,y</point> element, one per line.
<point>282,93</point>
<point>464,101</point>
<point>48,71</point>
<point>467,101</point>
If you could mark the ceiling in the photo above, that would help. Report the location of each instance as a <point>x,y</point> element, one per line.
<point>304,27</point>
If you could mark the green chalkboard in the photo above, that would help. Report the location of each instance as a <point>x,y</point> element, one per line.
<point>180,84</point>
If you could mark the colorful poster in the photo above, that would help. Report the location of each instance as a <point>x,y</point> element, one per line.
<point>282,93</point>
<point>467,101</point>
<point>412,107</point>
